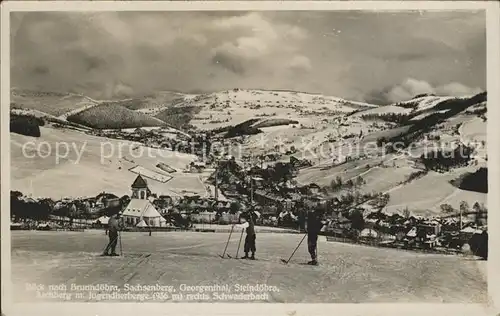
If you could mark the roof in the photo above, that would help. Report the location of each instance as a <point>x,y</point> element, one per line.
<point>140,208</point>
<point>103,220</point>
<point>471,230</point>
<point>139,183</point>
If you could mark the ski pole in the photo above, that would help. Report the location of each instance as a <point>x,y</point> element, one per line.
<point>229,238</point>
<point>106,248</point>
<point>239,243</point>
<point>121,249</point>
<point>300,243</point>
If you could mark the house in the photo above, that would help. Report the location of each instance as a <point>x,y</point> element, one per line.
<point>314,188</point>
<point>167,199</point>
<point>102,221</point>
<point>196,167</point>
<point>109,203</point>
<point>223,205</point>
<point>140,208</point>
<point>267,198</point>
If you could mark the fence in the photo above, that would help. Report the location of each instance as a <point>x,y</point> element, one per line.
<point>384,243</point>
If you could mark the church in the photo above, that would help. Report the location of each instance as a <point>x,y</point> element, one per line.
<point>140,208</point>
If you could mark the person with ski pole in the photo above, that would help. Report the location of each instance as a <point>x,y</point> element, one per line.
<point>250,237</point>
<point>114,226</point>
<point>314,225</point>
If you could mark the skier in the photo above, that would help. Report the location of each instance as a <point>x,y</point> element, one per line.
<point>114,226</point>
<point>314,226</point>
<point>250,237</point>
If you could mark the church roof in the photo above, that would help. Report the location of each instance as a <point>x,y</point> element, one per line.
<point>139,183</point>
<point>141,208</point>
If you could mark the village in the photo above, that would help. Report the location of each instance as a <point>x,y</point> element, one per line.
<point>272,191</point>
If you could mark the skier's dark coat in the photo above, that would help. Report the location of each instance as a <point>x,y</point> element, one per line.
<point>314,226</point>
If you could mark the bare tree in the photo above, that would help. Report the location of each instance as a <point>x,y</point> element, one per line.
<point>464,208</point>
<point>406,213</point>
<point>447,208</point>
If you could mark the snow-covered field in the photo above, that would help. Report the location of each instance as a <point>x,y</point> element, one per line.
<point>39,171</point>
<point>323,133</point>
<point>233,107</point>
<point>426,194</point>
<point>387,109</point>
<point>151,174</point>
<point>346,274</point>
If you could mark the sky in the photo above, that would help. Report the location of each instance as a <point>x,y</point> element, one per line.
<point>377,57</point>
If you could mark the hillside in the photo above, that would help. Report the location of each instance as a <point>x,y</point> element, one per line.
<point>178,116</point>
<point>90,166</point>
<point>231,107</point>
<point>53,103</point>
<point>57,121</point>
<point>342,139</point>
<point>329,141</point>
<point>113,116</point>
<point>152,103</point>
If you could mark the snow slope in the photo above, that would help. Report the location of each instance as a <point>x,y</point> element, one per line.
<point>235,106</point>
<point>103,166</point>
<point>346,274</point>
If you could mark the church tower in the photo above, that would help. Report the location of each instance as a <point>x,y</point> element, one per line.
<point>140,189</point>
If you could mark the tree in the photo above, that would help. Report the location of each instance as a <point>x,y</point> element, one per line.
<point>480,212</point>
<point>357,197</point>
<point>349,184</point>
<point>464,207</point>
<point>45,208</point>
<point>447,208</point>
<point>334,185</point>
<point>383,200</point>
<point>124,200</point>
<point>73,212</point>
<point>15,194</point>
<point>84,209</point>
<point>235,208</point>
<point>479,245</point>
<point>406,213</point>
<point>381,141</point>
<point>357,220</point>
<point>476,207</point>
<point>16,209</point>
<point>359,181</point>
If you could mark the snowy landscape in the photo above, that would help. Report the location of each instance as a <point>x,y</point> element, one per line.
<point>401,186</point>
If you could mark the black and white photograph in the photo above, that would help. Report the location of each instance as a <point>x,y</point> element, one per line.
<point>247,156</point>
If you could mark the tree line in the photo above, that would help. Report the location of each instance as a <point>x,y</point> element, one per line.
<point>27,125</point>
<point>445,159</point>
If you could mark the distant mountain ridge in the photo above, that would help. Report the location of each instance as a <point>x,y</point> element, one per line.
<point>182,110</point>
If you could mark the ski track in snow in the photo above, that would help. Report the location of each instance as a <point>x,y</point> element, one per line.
<point>347,273</point>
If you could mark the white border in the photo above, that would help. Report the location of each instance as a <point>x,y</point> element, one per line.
<point>493,83</point>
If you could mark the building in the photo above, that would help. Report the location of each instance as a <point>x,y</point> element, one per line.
<point>314,189</point>
<point>140,208</point>
<point>197,167</point>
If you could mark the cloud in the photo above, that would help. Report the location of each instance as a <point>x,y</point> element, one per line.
<point>411,87</point>
<point>300,63</point>
<point>345,54</point>
<point>408,89</point>
<point>122,90</point>
<point>457,89</point>
<point>245,48</point>
<point>229,61</point>
<point>255,40</point>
